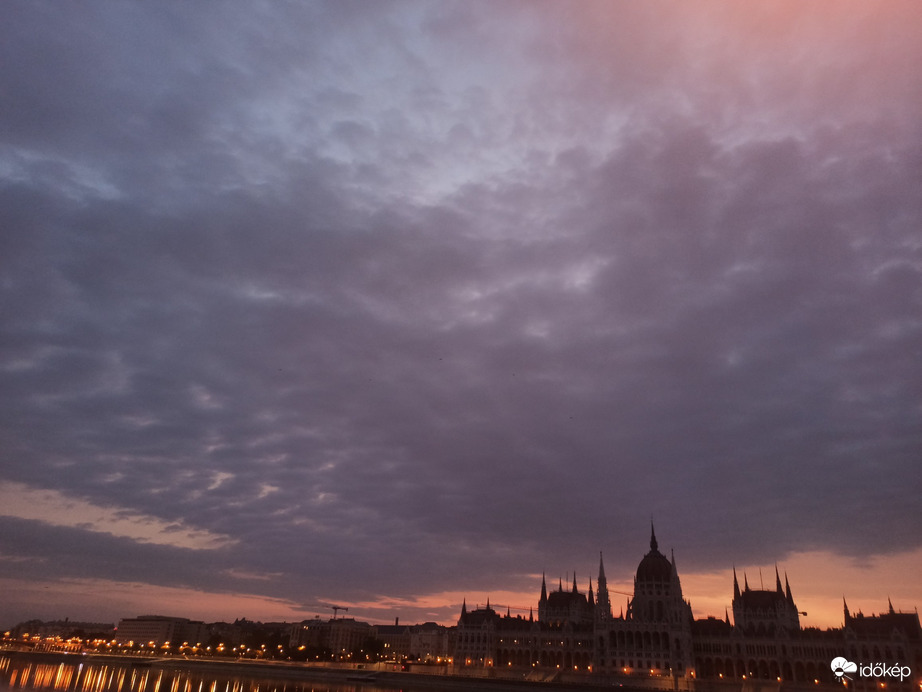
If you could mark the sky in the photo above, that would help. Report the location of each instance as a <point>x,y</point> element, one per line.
<point>393,305</point>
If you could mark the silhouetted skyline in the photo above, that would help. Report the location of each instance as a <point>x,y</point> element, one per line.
<point>391,304</point>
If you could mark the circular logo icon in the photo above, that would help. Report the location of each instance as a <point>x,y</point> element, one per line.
<point>840,666</point>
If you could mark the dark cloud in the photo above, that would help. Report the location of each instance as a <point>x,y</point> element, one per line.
<point>473,301</point>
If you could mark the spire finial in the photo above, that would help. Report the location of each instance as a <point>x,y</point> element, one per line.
<point>653,544</point>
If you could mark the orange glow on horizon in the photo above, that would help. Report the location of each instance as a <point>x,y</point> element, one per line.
<point>818,580</point>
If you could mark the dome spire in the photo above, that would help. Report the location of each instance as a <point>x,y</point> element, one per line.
<point>653,543</point>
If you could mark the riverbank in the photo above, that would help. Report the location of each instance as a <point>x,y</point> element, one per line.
<point>380,675</point>
<point>388,676</point>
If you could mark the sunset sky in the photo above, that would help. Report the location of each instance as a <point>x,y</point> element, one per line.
<point>394,304</point>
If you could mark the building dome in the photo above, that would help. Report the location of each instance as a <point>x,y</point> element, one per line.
<point>654,567</point>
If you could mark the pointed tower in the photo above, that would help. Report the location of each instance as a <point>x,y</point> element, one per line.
<point>602,604</point>
<point>542,604</point>
<point>769,610</point>
<point>574,583</point>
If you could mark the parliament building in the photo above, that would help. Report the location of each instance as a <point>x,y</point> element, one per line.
<point>656,636</point>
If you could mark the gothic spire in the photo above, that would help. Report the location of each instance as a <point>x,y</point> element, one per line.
<point>778,580</point>
<point>653,544</point>
<point>603,603</point>
<point>787,589</point>
<point>736,585</point>
<point>543,588</point>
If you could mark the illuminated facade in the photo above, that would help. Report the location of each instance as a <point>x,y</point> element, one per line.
<point>159,630</point>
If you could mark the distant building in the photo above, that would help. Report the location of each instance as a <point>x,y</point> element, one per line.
<point>395,641</point>
<point>309,634</point>
<point>63,628</point>
<point>430,642</point>
<point>342,639</point>
<point>158,630</point>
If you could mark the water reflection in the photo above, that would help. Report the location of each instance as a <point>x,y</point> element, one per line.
<point>23,672</point>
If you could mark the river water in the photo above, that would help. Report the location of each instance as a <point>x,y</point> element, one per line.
<point>27,673</point>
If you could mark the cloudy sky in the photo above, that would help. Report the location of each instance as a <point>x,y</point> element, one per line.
<point>392,304</point>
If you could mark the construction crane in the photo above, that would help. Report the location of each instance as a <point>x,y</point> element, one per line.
<point>334,608</point>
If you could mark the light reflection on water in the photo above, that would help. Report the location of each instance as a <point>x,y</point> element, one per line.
<point>24,674</point>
